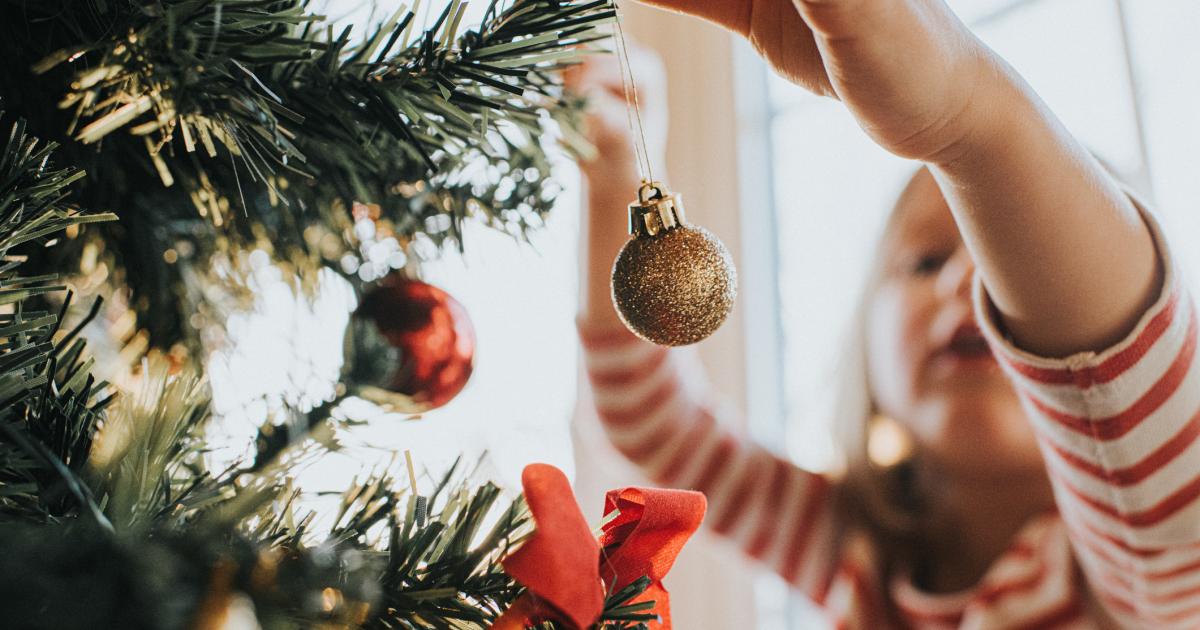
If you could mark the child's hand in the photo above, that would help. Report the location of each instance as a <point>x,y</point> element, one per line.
<point>914,76</point>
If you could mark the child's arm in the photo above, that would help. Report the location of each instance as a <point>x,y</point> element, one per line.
<point>1119,433</point>
<point>650,402</point>
<point>1062,252</point>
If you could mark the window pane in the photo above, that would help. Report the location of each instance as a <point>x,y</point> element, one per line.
<point>1166,59</point>
<point>972,11</point>
<point>1070,51</point>
<point>833,186</point>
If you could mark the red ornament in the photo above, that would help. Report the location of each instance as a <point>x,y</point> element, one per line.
<point>433,335</point>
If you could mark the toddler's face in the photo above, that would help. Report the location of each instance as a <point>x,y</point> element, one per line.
<point>928,365</point>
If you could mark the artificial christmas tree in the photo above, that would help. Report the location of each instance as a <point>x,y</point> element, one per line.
<point>209,129</point>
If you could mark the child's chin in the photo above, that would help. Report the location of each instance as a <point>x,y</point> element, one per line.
<point>990,450</point>
<point>988,430</point>
<point>965,367</point>
<point>972,389</point>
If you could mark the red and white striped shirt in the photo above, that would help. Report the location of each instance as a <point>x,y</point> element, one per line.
<point>1118,430</point>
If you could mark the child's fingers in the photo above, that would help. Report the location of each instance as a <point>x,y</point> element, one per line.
<point>572,76</point>
<point>607,118</point>
<point>595,71</point>
<point>607,102</point>
<point>586,82</point>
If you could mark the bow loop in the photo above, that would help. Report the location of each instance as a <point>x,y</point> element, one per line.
<point>561,564</point>
<point>558,562</point>
<point>649,532</point>
<point>645,538</point>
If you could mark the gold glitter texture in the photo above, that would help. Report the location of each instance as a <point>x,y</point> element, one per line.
<point>675,288</point>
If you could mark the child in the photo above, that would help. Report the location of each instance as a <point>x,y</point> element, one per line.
<point>1024,324</point>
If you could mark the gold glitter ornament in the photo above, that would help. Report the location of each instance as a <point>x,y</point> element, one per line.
<point>673,284</point>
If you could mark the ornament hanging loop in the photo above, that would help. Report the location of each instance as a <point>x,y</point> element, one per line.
<point>673,284</point>
<point>655,211</point>
<point>633,109</point>
<point>650,191</point>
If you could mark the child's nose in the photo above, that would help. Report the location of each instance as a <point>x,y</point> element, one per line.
<point>956,275</point>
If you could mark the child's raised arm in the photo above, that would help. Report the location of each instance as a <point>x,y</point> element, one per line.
<point>1065,258</point>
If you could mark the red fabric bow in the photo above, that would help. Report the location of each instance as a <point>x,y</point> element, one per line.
<point>558,564</point>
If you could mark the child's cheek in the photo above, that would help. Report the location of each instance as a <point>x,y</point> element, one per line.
<point>897,325</point>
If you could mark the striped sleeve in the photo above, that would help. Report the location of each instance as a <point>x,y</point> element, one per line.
<point>653,408</point>
<point>1119,432</point>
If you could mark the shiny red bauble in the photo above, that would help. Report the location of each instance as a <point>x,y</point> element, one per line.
<point>433,337</point>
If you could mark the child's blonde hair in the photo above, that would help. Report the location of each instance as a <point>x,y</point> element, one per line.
<point>878,497</point>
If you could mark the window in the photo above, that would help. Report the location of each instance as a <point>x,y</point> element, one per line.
<point>1111,70</point>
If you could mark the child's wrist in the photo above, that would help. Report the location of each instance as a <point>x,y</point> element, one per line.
<point>998,105</point>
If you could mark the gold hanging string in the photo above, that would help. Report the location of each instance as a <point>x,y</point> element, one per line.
<point>633,110</point>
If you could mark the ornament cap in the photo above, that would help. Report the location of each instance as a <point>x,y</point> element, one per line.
<point>655,211</point>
